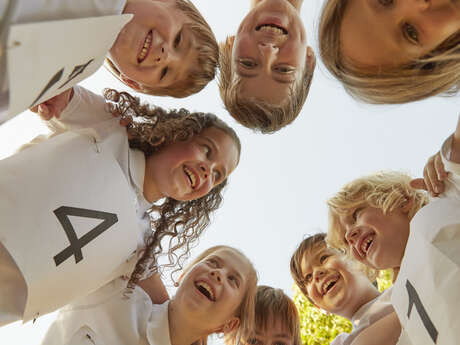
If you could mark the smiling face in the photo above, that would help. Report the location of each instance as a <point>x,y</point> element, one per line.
<point>156,48</point>
<point>270,51</point>
<point>376,239</point>
<point>333,282</point>
<point>188,170</point>
<point>393,32</point>
<point>213,289</point>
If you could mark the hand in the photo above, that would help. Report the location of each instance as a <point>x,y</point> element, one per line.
<point>53,107</point>
<point>434,175</point>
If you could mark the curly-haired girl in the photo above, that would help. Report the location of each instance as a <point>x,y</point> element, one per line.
<point>181,157</point>
<point>387,51</point>
<point>215,295</point>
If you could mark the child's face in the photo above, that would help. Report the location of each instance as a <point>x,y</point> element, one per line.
<point>270,51</point>
<point>188,170</point>
<point>333,283</point>
<point>155,49</point>
<point>214,288</point>
<point>376,239</point>
<point>277,334</point>
<point>391,32</point>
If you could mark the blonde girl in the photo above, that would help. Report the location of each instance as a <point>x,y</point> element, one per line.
<point>389,51</point>
<point>178,157</point>
<point>215,295</point>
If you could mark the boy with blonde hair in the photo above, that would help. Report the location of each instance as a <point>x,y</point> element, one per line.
<point>336,284</point>
<point>267,68</point>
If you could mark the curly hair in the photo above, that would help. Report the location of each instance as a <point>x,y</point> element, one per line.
<point>256,114</point>
<point>438,72</point>
<point>206,64</point>
<point>181,221</point>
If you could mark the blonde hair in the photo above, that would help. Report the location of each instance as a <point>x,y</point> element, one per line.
<point>208,57</point>
<point>387,191</point>
<point>252,113</point>
<point>438,72</point>
<point>313,244</point>
<point>272,304</point>
<point>245,311</point>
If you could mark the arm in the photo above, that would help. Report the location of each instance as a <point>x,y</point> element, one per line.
<point>385,331</point>
<point>155,288</point>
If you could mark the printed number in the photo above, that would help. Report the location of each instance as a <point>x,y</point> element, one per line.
<point>415,299</point>
<point>76,71</point>
<point>76,244</point>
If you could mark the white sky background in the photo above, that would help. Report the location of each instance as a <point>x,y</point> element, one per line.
<point>278,192</point>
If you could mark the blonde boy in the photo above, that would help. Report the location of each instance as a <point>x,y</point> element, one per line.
<point>335,283</point>
<point>266,68</point>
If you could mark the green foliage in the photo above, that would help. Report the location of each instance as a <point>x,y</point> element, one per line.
<point>318,328</point>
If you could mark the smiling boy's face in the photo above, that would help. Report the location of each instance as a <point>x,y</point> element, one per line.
<point>156,48</point>
<point>334,283</point>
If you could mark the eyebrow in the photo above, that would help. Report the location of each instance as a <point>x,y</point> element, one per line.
<point>232,269</point>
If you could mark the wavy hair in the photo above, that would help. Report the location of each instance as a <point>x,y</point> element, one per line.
<point>182,221</point>
<point>438,72</point>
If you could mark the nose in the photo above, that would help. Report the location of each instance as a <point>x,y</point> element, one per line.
<point>268,50</point>
<point>216,276</point>
<point>205,170</point>
<point>164,54</point>
<point>318,273</point>
<point>352,235</point>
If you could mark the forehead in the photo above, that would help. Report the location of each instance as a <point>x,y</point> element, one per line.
<point>225,145</point>
<point>276,327</point>
<point>188,63</point>
<point>312,255</point>
<point>233,260</point>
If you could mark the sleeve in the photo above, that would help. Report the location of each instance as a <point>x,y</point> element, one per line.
<point>85,110</point>
<point>340,339</point>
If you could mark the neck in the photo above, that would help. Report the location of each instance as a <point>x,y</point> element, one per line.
<point>150,189</point>
<point>364,298</point>
<point>296,3</point>
<point>182,330</point>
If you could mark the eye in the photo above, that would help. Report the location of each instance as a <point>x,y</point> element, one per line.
<point>410,33</point>
<point>308,277</point>
<point>177,39</point>
<point>235,280</point>
<point>207,150</point>
<point>323,258</point>
<point>217,175</point>
<point>355,214</point>
<point>213,262</point>
<point>284,69</point>
<point>385,3</point>
<point>163,72</point>
<point>247,63</point>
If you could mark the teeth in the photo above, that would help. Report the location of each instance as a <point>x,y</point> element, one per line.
<point>327,285</point>
<point>365,245</point>
<point>191,176</point>
<point>145,48</point>
<point>272,29</point>
<point>206,289</point>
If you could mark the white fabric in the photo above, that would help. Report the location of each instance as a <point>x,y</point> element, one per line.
<point>30,11</point>
<point>110,318</point>
<point>368,314</point>
<point>85,114</point>
<point>426,294</point>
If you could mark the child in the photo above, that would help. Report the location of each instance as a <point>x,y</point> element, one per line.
<point>182,157</point>
<point>373,218</point>
<point>215,295</point>
<point>335,284</point>
<point>421,58</point>
<point>267,68</point>
<point>166,49</point>
<point>276,319</point>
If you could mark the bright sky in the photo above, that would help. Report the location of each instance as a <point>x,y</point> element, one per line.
<point>278,192</point>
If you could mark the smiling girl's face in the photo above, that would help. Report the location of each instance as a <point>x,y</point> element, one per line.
<point>188,170</point>
<point>393,32</point>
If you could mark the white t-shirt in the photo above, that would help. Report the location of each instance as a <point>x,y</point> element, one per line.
<point>86,114</point>
<point>108,317</point>
<point>368,314</point>
<point>30,11</point>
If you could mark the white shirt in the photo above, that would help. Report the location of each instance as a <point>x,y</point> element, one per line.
<point>111,319</point>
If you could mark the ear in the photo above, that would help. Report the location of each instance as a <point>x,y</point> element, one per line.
<point>407,205</point>
<point>229,326</point>
<point>131,83</point>
<point>311,59</point>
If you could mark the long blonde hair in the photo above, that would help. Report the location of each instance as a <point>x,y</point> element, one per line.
<point>436,73</point>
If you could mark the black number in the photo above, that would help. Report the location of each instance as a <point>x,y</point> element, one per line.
<point>76,244</point>
<point>76,71</point>
<point>52,81</point>
<point>415,299</point>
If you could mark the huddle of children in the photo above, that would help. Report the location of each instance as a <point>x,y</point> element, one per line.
<point>176,163</point>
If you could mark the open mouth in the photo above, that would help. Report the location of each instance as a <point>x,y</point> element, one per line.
<point>145,48</point>
<point>191,177</point>
<point>365,244</point>
<point>206,290</point>
<point>329,284</point>
<point>272,28</point>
